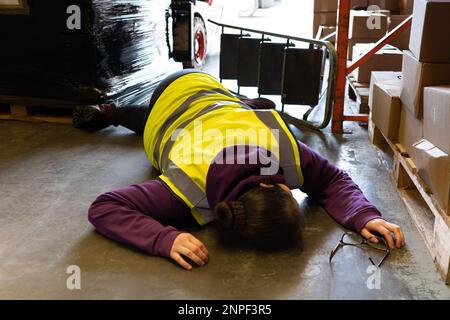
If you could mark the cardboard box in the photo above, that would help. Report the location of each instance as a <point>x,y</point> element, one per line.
<point>321,5</point>
<point>325,31</point>
<point>359,4</point>
<point>384,77</point>
<point>406,6</point>
<point>360,48</point>
<point>433,167</point>
<point>430,31</point>
<point>410,131</point>
<point>353,42</point>
<point>402,41</point>
<point>437,116</point>
<point>386,109</point>
<point>365,24</point>
<point>404,12</point>
<point>387,59</point>
<point>387,13</point>
<point>323,19</point>
<point>416,76</point>
<point>391,5</point>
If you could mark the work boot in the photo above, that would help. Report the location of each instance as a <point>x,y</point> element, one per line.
<point>260,103</point>
<point>93,117</point>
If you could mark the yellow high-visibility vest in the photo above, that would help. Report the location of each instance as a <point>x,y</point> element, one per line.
<point>191,123</point>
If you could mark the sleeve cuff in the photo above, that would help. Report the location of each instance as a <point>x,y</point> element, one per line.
<point>167,243</point>
<point>365,217</point>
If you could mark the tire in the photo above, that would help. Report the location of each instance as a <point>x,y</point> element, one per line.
<point>200,45</point>
<point>248,7</point>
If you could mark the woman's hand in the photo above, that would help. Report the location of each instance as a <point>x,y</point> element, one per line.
<point>384,228</point>
<point>187,245</point>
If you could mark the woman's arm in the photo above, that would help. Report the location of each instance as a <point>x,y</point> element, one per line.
<point>335,191</point>
<point>342,198</point>
<point>140,215</point>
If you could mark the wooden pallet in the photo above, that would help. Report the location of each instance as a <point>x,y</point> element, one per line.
<point>35,110</point>
<point>360,92</point>
<point>431,220</point>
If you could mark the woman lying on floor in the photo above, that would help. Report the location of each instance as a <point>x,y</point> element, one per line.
<point>221,158</point>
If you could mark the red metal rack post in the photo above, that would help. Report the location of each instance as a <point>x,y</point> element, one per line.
<point>342,47</point>
<point>342,70</point>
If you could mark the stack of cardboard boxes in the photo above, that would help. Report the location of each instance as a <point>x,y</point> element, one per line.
<point>384,102</point>
<point>390,13</point>
<point>387,59</point>
<point>368,26</point>
<point>365,27</point>
<point>321,13</point>
<point>405,7</point>
<point>324,12</point>
<point>419,105</point>
<point>402,41</point>
<point>391,5</point>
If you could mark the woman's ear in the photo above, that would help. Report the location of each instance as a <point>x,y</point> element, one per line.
<point>285,188</point>
<point>266,185</point>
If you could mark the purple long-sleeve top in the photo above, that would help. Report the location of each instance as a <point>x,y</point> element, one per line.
<point>142,215</point>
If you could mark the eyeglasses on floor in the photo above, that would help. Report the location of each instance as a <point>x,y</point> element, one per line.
<point>353,239</point>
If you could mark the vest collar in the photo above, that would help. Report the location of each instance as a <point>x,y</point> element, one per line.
<point>251,182</point>
<point>226,182</point>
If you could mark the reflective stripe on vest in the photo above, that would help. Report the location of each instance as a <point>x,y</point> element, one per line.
<point>290,160</point>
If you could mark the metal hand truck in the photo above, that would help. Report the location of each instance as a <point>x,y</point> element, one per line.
<point>296,74</point>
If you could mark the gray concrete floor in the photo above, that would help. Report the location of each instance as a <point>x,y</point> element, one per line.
<point>50,174</point>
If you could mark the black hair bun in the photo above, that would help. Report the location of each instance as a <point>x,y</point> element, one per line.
<point>231,214</point>
<point>224,214</point>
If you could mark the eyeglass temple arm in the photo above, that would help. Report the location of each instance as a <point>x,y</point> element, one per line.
<point>382,260</point>
<point>335,250</point>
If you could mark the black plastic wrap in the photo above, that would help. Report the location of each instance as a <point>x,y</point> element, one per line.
<point>119,52</point>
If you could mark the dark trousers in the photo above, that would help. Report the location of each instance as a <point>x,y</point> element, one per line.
<point>135,117</point>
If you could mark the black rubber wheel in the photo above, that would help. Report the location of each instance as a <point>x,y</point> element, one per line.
<point>200,45</point>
